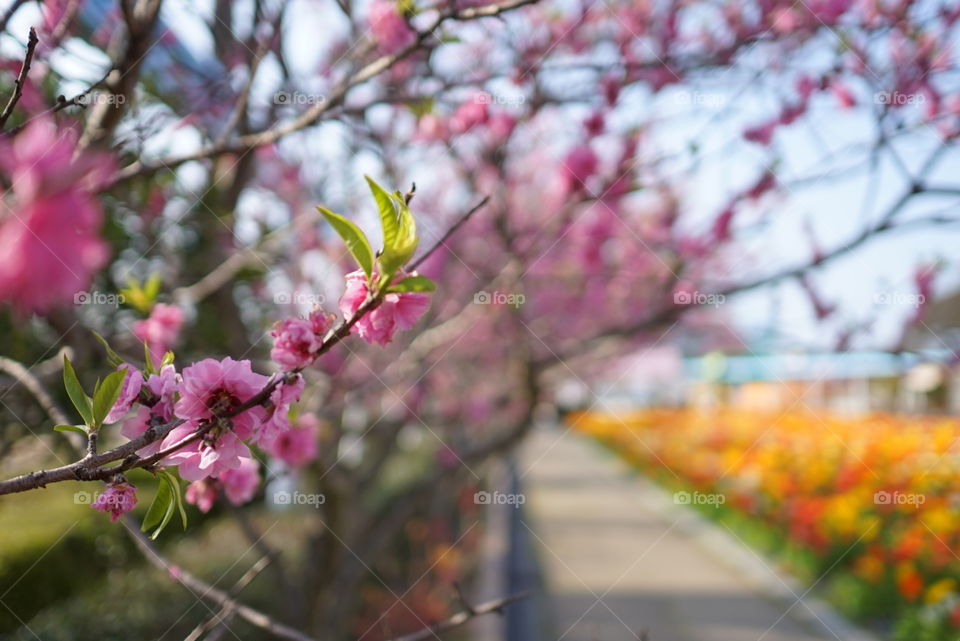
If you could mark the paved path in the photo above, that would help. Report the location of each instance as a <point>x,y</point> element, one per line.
<point>618,557</point>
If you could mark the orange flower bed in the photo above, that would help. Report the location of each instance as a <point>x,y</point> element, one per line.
<point>877,497</point>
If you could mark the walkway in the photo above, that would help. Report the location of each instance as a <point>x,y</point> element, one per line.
<point>618,557</point>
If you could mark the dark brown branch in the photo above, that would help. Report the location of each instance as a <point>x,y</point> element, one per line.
<point>460,618</point>
<point>21,80</point>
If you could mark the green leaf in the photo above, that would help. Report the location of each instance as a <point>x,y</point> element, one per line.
<point>148,360</point>
<point>75,391</point>
<point>112,357</point>
<point>71,428</point>
<point>152,287</point>
<point>107,394</point>
<point>141,297</point>
<point>162,508</point>
<point>399,230</point>
<point>413,284</point>
<point>167,359</point>
<point>177,497</point>
<point>353,237</point>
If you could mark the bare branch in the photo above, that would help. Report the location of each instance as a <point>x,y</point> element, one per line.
<point>32,41</point>
<point>460,618</point>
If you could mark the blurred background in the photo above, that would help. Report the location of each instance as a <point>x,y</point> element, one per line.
<point>690,372</point>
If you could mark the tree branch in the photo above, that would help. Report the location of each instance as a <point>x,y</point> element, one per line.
<point>32,41</point>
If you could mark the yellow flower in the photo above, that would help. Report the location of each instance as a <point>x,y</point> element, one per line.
<point>940,590</point>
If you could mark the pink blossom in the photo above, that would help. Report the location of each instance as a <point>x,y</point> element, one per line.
<point>388,27</point>
<point>117,499</point>
<point>471,113</point>
<point>431,127</point>
<point>579,165</point>
<point>297,446</point>
<point>761,134</point>
<point>212,388</point>
<point>277,422</point>
<point>286,394</point>
<point>843,94</point>
<point>241,482</point>
<point>160,330</point>
<point>294,343</point>
<point>138,424</point>
<point>202,458</point>
<point>203,494</point>
<point>129,391</point>
<point>50,231</point>
<point>595,124</point>
<point>397,311</point>
<point>321,322</point>
<point>163,386</point>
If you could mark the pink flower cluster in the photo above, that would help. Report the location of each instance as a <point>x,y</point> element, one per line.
<point>397,311</point>
<point>118,499</point>
<point>297,340</point>
<point>49,230</point>
<point>212,395</point>
<point>160,330</point>
<point>388,27</point>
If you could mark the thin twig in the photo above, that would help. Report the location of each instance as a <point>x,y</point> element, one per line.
<point>21,80</point>
<point>32,385</point>
<point>317,112</point>
<point>226,613</point>
<point>450,232</point>
<point>460,618</point>
<point>203,590</point>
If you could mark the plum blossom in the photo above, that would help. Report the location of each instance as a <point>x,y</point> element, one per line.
<point>203,494</point>
<point>160,330</point>
<point>470,113</point>
<point>212,389</point>
<point>129,391</point>
<point>241,482</point>
<point>118,499</point>
<point>205,457</point>
<point>388,27</point>
<point>51,245</point>
<point>163,388</point>
<point>297,446</point>
<point>277,422</point>
<point>397,311</point>
<point>294,343</point>
<point>579,165</point>
<point>296,340</point>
